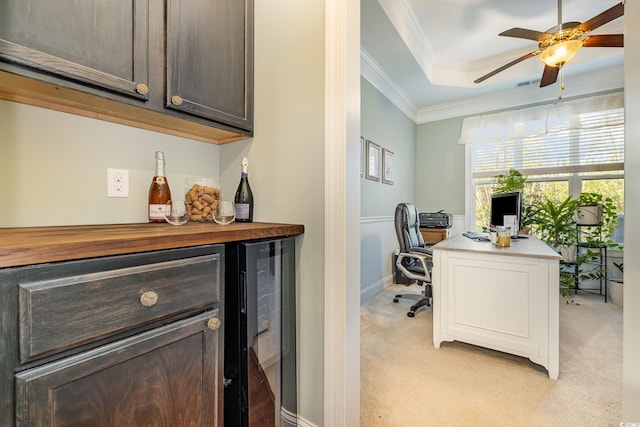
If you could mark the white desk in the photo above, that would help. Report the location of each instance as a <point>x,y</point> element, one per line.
<point>506,299</point>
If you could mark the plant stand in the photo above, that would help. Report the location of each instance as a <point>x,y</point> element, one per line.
<point>597,261</point>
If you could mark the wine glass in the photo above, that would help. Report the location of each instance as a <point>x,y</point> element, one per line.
<point>176,212</point>
<point>224,213</point>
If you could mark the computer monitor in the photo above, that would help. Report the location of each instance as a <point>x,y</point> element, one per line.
<point>506,204</point>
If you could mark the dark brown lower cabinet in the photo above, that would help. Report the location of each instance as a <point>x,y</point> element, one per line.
<point>163,377</point>
<point>126,340</point>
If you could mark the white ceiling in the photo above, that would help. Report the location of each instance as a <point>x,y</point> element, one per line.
<point>425,54</point>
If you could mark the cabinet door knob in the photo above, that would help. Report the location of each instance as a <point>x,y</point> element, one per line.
<point>149,299</point>
<point>142,89</point>
<point>176,100</point>
<point>214,323</point>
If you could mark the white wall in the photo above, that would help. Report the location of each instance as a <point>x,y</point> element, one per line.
<point>631,331</point>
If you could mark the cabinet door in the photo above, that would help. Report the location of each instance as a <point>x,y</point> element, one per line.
<point>169,376</point>
<point>210,59</point>
<point>93,42</point>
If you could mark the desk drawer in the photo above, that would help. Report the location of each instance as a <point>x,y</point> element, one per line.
<point>59,314</point>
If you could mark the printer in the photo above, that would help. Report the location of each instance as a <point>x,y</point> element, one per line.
<point>438,219</point>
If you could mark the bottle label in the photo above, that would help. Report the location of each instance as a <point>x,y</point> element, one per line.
<point>242,210</point>
<point>157,211</point>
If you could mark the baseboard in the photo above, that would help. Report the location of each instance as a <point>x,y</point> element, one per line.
<point>375,288</point>
<point>304,423</point>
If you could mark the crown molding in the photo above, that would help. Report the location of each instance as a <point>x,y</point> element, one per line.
<point>374,74</point>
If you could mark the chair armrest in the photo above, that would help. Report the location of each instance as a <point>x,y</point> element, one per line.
<point>422,258</point>
<point>424,251</point>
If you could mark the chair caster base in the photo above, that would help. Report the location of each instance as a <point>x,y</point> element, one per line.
<point>395,300</point>
<point>411,314</point>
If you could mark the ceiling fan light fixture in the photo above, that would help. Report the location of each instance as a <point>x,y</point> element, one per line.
<point>560,53</point>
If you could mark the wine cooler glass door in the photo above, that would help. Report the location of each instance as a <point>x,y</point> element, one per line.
<point>271,333</point>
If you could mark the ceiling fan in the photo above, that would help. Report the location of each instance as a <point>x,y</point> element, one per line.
<point>559,44</point>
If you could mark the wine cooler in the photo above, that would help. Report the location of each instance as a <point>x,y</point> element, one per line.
<point>260,334</point>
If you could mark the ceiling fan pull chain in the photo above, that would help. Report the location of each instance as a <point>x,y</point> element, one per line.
<point>561,82</point>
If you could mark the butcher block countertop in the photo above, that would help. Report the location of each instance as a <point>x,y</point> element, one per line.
<point>37,245</point>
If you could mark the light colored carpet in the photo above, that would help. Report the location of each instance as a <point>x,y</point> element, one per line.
<point>406,381</point>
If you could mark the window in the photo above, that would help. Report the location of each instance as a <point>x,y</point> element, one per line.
<point>564,149</point>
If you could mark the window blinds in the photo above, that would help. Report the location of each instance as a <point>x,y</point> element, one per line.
<point>570,137</point>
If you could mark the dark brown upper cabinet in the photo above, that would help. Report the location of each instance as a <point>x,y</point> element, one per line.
<point>101,44</point>
<point>182,67</point>
<point>209,72</point>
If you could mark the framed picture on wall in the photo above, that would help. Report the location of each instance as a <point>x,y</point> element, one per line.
<point>388,166</point>
<point>373,161</point>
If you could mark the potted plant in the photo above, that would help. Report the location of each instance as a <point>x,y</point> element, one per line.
<point>592,208</point>
<point>554,223</point>
<point>596,217</point>
<point>616,285</point>
<point>512,181</point>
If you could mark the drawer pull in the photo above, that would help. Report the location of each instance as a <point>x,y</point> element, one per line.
<point>176,100</point>
<point>214,323</point>
<point>142,89</point>
<point>149,299</point>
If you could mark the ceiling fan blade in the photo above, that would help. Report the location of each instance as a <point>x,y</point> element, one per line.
<point>549,75</point>
<point>523,33</point>
<point>504,67</point>
<point>605,40</point>
<point>601,19</point>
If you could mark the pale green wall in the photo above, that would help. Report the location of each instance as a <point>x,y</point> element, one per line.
<point>53,167</point>
<point>384,124</point>
<point>440,167</point>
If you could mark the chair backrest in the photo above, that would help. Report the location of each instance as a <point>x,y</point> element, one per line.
<point>407,222</point>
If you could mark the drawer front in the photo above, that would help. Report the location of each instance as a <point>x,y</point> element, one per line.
<point>56,315</point>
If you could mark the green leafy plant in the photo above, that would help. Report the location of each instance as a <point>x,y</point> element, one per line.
<point>619,266</point>
<point>512,181</point>
<point>554,223</point>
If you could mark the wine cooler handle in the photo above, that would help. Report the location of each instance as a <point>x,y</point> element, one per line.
<point>243,292</point>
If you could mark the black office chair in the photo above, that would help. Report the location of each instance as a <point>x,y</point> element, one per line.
<point>415,258</point>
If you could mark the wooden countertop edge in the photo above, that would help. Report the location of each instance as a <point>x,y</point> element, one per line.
<point>39,245</point>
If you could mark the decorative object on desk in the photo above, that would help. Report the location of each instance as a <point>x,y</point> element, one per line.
<point>202,195</point>
<point>503,236</point>
<point>224,213</point>
<point>373,161</point>
<point>493,235</point>
<point>388,166</point>
<point>177,212</point>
